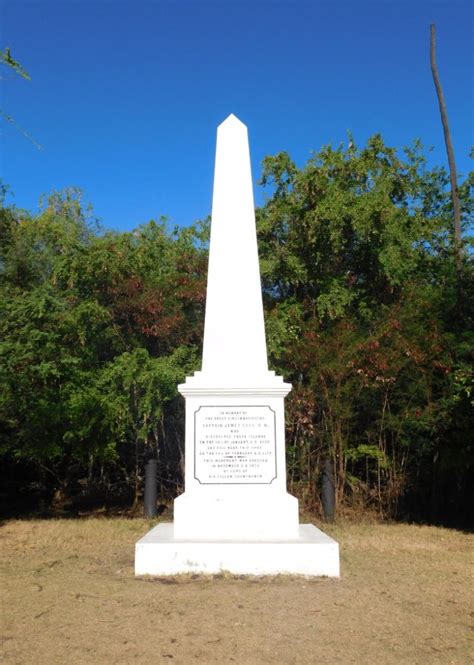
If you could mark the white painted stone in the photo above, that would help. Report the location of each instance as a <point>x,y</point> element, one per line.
<point>257,508</point>
<point>235,513</point>
<point>234,334</point>
<point>312,553</point>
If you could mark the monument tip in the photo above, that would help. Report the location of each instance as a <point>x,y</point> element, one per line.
<point>232,120</point>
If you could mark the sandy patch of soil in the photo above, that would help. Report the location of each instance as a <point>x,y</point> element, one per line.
<point>69,596</point>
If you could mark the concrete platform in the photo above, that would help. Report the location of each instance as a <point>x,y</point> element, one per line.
<point>312,554</point>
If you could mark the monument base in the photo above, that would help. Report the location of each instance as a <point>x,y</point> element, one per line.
<point>313,554</point>
<point>253,514</point>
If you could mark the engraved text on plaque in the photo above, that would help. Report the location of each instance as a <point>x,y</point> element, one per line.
<point>234,445</point>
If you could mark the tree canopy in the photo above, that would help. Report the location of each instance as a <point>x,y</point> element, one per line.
<point>363,317</point>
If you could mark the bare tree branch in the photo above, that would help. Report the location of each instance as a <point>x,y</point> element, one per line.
<point>449,149</point>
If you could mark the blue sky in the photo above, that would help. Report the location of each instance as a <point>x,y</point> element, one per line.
<point>125,97</point>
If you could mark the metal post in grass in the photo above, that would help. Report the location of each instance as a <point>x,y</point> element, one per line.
<point>150,488</point>
<point>328,495</point>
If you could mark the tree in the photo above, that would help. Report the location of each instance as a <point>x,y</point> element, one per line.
<point>134,390</point>
<point>358,283</point>
<point>458,249</point>
<point>97,329</point>
<point>92,327</point>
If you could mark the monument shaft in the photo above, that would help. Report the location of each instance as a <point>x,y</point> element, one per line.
<point>234,333</point>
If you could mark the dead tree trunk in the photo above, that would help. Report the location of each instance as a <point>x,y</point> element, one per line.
<point>449,150</point>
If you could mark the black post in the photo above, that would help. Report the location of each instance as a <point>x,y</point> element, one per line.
<point>150,488</point>
<point>328,495</point>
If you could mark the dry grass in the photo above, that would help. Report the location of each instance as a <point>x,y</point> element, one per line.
<point>69,597</point>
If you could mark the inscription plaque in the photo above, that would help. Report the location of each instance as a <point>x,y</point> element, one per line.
<point>234,445</point>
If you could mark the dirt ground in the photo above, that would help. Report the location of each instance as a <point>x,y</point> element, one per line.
<point>69,596</point>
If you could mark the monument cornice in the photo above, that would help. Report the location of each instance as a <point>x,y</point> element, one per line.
<point>260,391</point>
<point>200,385</point>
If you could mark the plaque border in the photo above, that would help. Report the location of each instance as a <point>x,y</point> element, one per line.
<point>234,406</point>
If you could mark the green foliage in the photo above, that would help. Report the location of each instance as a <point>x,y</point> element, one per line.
<point>135,389</point>
<point>363,316</point>
<point>360,289</point>
<point>7,60</point>
<point>96,331</point>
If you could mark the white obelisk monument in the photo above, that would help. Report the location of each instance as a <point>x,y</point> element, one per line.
<point>235,513</point>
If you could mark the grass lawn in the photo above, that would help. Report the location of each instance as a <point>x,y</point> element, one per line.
<point>69,596</point>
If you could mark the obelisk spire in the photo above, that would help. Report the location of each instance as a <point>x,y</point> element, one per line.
<point>234,333</point>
